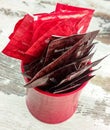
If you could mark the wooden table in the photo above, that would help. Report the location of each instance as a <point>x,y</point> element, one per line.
<point>93,111</point>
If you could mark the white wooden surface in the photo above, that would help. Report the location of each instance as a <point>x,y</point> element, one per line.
<point>93,111</point>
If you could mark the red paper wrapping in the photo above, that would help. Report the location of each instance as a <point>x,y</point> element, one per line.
<point>20,38</point>
<point>82,25</point>
<point>32,33</point>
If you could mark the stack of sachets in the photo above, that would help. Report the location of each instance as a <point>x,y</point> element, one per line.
<point>55,49</point>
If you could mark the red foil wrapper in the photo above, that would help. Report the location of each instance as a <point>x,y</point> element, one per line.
<point>32,33</point>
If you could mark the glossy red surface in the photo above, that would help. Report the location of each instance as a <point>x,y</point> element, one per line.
<point>52,108</point>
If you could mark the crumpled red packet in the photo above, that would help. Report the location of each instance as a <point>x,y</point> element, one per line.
<point>62,23</point>
<point>84,23</point>
<point>20,38</point>
<point>32,33</point>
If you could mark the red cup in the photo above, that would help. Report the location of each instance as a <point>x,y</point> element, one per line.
<point>52,108</point>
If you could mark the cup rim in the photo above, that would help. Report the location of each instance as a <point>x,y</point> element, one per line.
<point>59,95</point>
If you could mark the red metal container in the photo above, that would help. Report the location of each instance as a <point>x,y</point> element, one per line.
<point>52,108</point>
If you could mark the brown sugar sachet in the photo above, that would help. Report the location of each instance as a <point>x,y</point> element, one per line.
<point>64,58</point>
